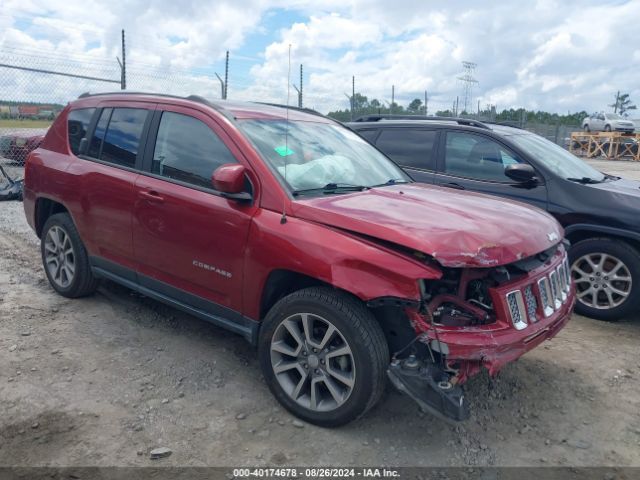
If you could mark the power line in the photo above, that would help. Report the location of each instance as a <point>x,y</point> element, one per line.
<point>468,81</point>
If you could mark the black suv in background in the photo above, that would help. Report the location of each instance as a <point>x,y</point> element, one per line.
<point>598,211</point>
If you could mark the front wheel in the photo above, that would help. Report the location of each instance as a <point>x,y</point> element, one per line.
<point>606,274</point>
<point>607,128</point>
<point>324,356</point>
<point>586,128</point>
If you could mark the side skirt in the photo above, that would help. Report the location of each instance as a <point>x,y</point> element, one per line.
<point>198,307</point>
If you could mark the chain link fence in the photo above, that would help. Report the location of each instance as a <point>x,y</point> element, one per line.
<point>35,87</point>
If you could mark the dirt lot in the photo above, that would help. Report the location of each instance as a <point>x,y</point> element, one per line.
<point>103,380</point>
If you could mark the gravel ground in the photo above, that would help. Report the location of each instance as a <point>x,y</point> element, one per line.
<point>104,380</point>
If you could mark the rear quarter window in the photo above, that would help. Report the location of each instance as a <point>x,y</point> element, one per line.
<point>77,126</point>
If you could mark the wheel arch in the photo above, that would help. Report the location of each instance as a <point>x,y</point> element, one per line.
<point>45,208</point>
<point>388,311</point>
<point>578,232</point>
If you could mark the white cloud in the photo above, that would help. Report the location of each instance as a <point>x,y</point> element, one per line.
<point>547,54</point>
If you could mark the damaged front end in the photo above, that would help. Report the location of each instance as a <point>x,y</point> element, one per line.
<point>474,318</point>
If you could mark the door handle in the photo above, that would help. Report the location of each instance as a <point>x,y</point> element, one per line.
<point>151,196</point>
<point>457,186</point>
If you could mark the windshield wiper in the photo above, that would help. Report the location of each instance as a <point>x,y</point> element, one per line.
<point>391,181</point>
<point>584,180</point>
<point>332,188</point>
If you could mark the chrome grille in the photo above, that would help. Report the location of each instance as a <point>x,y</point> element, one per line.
<point>517,309</point>
<point>531,303</point>
<point>567,273</point>
<point>551,293</point>
<point>545,296</point>
<point>562,283</point>
<point>555,289</point>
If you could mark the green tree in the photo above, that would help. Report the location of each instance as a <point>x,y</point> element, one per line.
<point>622,104</point>
<point>415,107</point>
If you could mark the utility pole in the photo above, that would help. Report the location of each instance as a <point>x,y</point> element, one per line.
<point>478,109</point>
<point>393,96</point>
<point>615,107</point>
<point>299,90</point>
<point>426,103</point>
<point>457,105</point>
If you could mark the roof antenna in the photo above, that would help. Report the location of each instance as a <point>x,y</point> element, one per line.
<point>283,219</point>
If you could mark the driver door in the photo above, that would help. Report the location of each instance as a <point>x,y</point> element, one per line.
<point>188,239</point>
<point>476,162</point>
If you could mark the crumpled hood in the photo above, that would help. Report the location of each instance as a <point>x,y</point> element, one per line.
<point>456,228</point>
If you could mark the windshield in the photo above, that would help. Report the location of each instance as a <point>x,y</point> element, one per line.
<point>555,158</point>
<point>613,116</point>
<point>315,155</point>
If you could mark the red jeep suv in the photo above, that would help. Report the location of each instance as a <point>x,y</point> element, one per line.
<point>289,229</point>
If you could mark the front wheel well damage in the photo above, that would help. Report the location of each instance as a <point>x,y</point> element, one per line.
<point>45,208</point>
<point>388,311</point>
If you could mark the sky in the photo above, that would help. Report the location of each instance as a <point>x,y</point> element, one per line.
<point>558,56</point>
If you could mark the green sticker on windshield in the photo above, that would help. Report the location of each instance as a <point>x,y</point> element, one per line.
<point>283,151</point>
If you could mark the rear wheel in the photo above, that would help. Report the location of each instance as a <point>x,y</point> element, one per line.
<point>607,128</point>
<point>606,273</point>
<point>65,259</point>
<point>324,356</point>
<point>586,128</point>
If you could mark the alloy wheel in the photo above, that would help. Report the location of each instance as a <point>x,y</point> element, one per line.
<point>60,259</point>
<point>602,280</point>
<point>313,362</point>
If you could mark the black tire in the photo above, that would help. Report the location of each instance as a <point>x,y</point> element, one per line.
<point>586,128</point>
<point>82,282</point>
<point>607,128</point>
<point>359,329</point>
<point>627,255</point>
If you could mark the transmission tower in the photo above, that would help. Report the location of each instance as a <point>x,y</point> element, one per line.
<point>468,81</point>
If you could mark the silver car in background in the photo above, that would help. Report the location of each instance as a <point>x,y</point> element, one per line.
<point>607,122</point>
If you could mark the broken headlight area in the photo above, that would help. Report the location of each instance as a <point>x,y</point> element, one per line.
<point>475,318</point>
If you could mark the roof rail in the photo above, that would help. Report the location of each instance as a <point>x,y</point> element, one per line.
<point>193,98</point>
<point>299,109</point>
<point>459,121</point>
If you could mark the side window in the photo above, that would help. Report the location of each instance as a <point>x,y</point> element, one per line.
<point>409,147</point>
<point>368,135</point>
<point>188,150</point>
<point>477,157</point>
<point>98,134</point>
<point>77,125</point>
<point>122,140</point>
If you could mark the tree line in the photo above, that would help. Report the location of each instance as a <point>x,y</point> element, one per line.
<point>363,106</point>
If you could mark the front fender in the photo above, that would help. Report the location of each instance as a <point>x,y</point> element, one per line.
<point>364,269</point>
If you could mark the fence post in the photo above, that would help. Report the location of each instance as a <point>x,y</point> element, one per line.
<point>123,67</point>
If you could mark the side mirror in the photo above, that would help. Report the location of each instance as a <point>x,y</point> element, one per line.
<point>229,180</point>
<point>520,172</point>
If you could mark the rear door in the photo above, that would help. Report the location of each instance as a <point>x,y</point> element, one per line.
<point>106,175</point>
<point>188,239</point>
<point>476,162</point>
<point>414,149</point>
